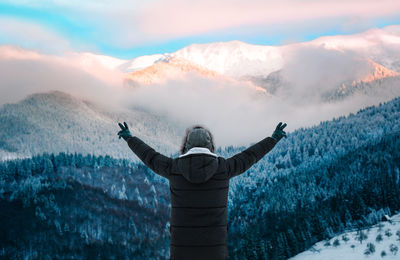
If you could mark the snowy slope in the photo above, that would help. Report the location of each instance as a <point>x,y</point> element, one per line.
<point>87,59</point>
<point>353,249</point>
<point>140,62</point>
<point>58,122</point>
<point>234,58</point>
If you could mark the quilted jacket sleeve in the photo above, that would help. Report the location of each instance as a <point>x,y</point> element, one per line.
<point>157,162</point>
<point>240,162</point>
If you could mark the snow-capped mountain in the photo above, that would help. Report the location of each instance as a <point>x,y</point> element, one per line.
<point>235,58</point>
<point>238,59</point>
<point>337,61</point>
<point>331,63</point>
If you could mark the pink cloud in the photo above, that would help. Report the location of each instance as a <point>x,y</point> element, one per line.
<point>129,23</point>
<point>179,18</point>
<point>32,35</point>
<point>26,72</point>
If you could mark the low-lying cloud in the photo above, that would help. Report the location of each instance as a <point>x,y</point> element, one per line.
<point>238,114</point>
<point>25,72</point>
<point>312,71</point>
<point>235,111</point>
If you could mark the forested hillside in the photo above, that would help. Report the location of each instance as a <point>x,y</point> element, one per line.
<point>280,218</point>
<point>342,174</point>
<point>70,206</point>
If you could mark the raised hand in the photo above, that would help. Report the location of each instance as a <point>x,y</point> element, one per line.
<point>124,133</point>
<point>279,133</point>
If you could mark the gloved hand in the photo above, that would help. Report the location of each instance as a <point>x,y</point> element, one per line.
<point>279,133</point>
<point>124,133</point>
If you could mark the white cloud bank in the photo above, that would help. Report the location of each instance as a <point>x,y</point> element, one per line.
<point>239,115</point>
<point>234,111</point>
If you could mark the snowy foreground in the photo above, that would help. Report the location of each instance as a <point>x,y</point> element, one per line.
<point>382,241</point>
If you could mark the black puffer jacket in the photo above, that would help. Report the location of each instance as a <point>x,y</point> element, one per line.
<point>199,183</point>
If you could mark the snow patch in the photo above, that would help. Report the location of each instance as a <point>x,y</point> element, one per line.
<point>380,242</point>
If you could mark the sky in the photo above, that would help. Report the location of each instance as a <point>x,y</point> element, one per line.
<point>127,29</point>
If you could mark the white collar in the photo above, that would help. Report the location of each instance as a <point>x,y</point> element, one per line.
<point>196,150</point>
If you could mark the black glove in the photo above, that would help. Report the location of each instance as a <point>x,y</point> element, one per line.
<point>124,133</point>
<point>279,133</point>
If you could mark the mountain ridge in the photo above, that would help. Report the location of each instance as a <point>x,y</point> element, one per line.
<point>56,121</point>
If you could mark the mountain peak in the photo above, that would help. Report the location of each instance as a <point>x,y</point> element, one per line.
<point>234,58</point>
<point>378,72</point>
<point>52,94</point>
<point>167,68</point>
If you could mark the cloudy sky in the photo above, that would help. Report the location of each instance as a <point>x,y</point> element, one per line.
<point>131,28</point>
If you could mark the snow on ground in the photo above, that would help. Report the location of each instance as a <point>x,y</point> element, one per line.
<point>388,248</point>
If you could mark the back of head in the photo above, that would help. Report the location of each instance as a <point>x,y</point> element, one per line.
<point>197,136</point>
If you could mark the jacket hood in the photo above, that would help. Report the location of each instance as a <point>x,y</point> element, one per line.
<point>198,164</point>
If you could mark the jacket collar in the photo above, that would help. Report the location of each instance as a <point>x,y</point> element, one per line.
<point>198,150</point>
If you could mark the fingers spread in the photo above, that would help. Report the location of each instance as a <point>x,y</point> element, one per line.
<point>126,125</point>
<point>279,125</point>
<point>120,125</point>
<point>283,126</point>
